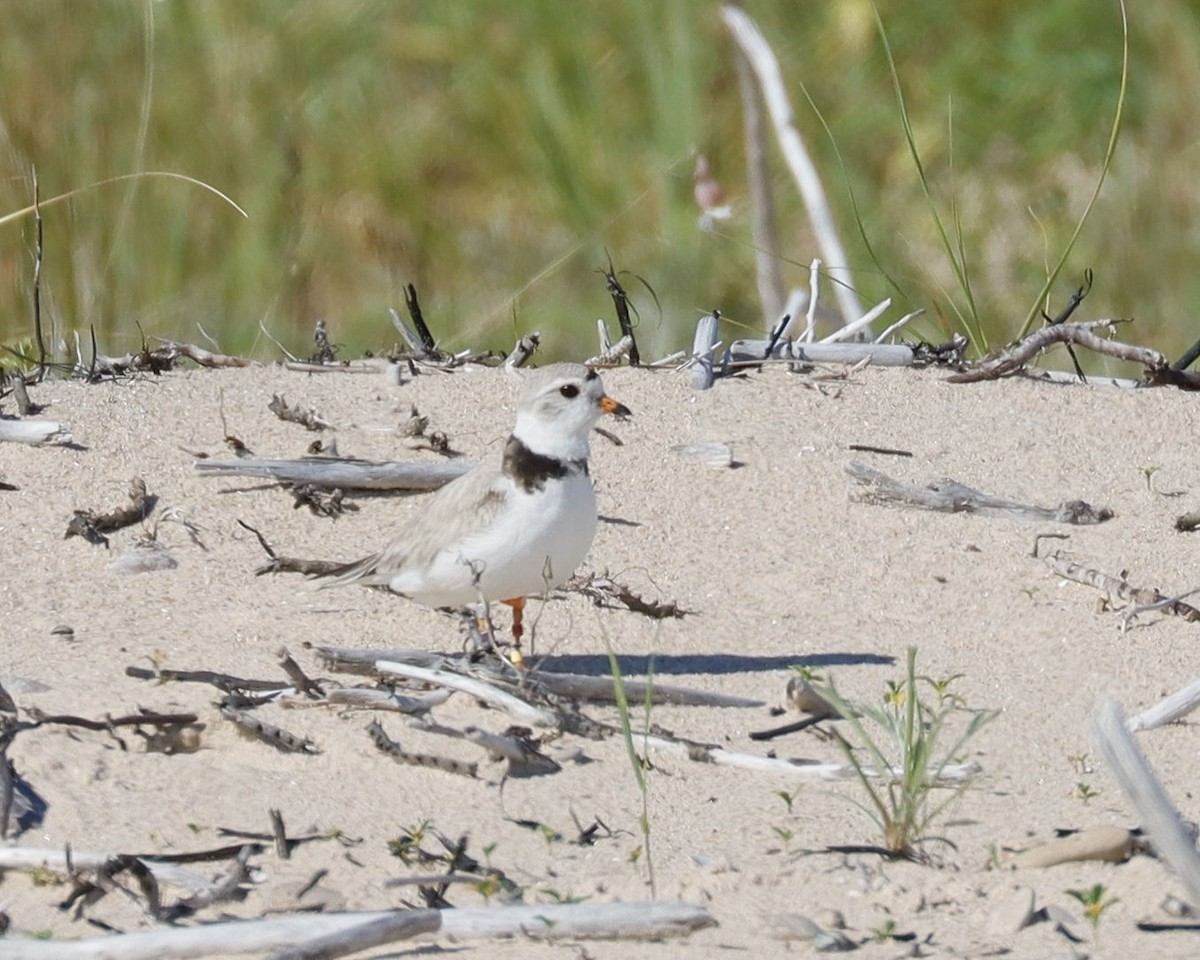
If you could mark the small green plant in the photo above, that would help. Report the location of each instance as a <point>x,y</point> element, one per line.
<point>25,353</point>
<point>908,758</point>
<point>809,674</point>
<point>1095,902</point>
<point>1148,473</point>
<point>488,887</point>
<point>787,836</point>
<point>557,897</point>
<point>884,931</point>
<point>44,877</point>
<point>788,798</point>
<point>1085,792</point>
<point>941,686</point>
<point>639,762</point>
<point>407,846</point>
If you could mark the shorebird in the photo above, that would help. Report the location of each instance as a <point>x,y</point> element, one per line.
<point>513,526</point>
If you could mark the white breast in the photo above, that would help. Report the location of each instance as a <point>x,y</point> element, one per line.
<point>533,543</point>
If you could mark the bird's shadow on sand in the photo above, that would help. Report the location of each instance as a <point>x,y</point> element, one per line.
<point>595,665</point>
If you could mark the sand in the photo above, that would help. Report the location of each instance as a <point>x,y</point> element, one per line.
<point>776,566</point>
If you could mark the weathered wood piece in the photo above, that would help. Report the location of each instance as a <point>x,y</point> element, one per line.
<point>579,687</point>
<point>1109,844</point>
<point>297,414</point>
<point>347,474</point>
<point>1080,334</point>
<point>611,355</point>
<point>807,769</point>
<point>161,359</point>
<point>393,749</point>
<point>1157,813</point>
<point>636,920</point>
<point>1118,588</point>
<point>514,706</point>
<point>766,68</point>
<point>518,748</point>
<point>1167,710</point>
<point>362,661</point>
<point>91,525</point>
<point>703,344</point>
<point>268,733</point>
<point>949,496</point>
<point>31,858</point>
<point>523,351</point>
<point>34,431</point>
<point>570,685</point>
<point>353,366</point>
<point>365,698</point>
<point>879,354</point>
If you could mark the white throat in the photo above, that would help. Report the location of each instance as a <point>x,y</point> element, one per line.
<point>556,439</point>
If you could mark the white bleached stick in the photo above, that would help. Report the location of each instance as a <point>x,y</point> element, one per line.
<point>34,431</point>
<point>814,293</point>
<point>898,325</point>
<point>1177,705</point>
<point>850,329</point>
<point>703,344</point>
<point>1154,808</point>
<point>766,68</point>
<point>648,919</point>
<point>515,707</point>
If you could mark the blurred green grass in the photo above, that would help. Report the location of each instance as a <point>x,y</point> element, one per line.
<point>494,153</point>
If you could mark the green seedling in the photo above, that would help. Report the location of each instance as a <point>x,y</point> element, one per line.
<point>904,741</point>
<point>1095,902</point>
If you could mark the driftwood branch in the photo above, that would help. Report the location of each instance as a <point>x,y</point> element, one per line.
<point>703,344</point>
<point>347,474</point>
<point>763,62</point>
<point>1158,815</point>
<point>162,359</point>
<point>1118,588</point>
<point>1178,704</point>
<point>34,431</point>
<point>552,922</point>
<point>1080,334</point>
<point>878,354</point>
<point>297,414</point>
<point>570,685</point>
<point>519,709</point>
<point>92,526</point>
<point>806,769</point>
<point>30,858</point>
<point>948,496</point>
<point>767,257</point>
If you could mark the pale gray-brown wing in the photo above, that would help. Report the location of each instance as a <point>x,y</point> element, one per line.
<point>454,512</point>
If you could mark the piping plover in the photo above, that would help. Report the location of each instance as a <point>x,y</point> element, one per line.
<point>512,526</point>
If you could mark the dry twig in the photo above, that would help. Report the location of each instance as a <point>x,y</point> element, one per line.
<point>1014,358</point>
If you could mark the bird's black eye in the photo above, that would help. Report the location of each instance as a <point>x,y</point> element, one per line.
<point>569,390</point>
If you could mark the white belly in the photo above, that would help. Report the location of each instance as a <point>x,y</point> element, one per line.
<point>533,544</point>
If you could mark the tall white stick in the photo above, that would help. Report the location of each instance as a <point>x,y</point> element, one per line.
<point>762,60</point>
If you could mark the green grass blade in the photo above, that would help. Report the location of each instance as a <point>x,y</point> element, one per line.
<point>971,322</point>
<point>1113,137</point>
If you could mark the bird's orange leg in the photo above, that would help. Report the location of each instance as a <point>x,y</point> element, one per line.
<point>518,609</point>
<point>518,628</point>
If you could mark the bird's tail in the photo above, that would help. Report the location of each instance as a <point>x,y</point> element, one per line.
<point>349,572</point>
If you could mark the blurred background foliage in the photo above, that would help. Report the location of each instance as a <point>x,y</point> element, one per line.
<point>495,153</point>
